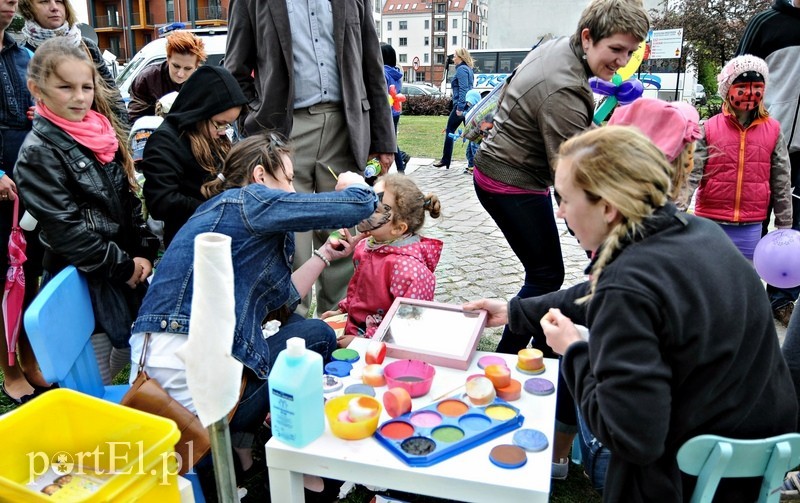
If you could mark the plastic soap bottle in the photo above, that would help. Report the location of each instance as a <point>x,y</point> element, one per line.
<point>296,404</point>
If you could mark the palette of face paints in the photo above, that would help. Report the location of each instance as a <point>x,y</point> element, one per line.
<point>443,429</point>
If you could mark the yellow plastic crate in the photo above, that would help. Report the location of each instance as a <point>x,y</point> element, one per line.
<point>66,432</point>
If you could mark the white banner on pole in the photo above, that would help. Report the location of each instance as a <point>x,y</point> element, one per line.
<point>666,44</point>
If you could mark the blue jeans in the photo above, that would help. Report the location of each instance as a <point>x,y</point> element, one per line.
<point>594,456</point>
<point>453,121</point>
<point>779,297</point>
<point>398,156</point>
<point>254,404</point>
<point>472,150</point>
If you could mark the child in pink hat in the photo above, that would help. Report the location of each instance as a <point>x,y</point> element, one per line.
<point>673,127</point>
<point>742,163</point>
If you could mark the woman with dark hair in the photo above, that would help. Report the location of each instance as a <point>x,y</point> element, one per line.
<point>188,148</point>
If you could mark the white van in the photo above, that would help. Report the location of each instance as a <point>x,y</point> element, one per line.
<point>156,52</point>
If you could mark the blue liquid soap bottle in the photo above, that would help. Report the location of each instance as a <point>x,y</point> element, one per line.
<point>296,404</point>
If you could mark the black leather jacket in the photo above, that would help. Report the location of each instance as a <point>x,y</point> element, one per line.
<point>87,214</point>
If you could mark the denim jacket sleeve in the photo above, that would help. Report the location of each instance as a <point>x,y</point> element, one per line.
<point>269,211</point>
<point>44,184</point>
<point>464,83</point>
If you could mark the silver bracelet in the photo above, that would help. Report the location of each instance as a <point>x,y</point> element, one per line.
<point>323,258</point>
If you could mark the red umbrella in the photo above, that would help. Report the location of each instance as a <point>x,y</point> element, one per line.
<point>14,294</point>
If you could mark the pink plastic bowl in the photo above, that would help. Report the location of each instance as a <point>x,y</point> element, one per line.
<point>415,376</point>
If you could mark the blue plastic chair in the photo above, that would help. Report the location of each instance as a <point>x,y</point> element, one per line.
<point>59,323</point>
<point>711,458</point>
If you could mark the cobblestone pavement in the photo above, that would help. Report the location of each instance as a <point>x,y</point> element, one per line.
<point>476,260</point>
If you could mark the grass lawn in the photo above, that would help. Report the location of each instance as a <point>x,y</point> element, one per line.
<point>423,136</point>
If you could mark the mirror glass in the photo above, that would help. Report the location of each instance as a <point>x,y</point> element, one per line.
<point>433,329</point>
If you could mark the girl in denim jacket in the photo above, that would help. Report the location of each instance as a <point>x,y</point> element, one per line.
<point>253,201</point>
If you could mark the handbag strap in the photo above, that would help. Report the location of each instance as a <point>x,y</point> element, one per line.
<point>15,218</point>
<point>143,356</point>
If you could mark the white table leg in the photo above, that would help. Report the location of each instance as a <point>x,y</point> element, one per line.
<point>286,486</point>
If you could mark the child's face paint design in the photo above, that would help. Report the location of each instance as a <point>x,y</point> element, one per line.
<point>382,215</point>
<point>746,96</point>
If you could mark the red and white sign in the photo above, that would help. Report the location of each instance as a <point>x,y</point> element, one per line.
<point>415,63</point>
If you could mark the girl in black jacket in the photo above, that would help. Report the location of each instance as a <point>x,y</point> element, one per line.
<point>188,148</point>
<point>76,178</point>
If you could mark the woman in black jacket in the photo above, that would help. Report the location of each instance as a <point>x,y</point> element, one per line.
<point>188,148</point>
<point>76,178</point>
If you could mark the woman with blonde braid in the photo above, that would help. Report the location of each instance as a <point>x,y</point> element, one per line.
<point>672,354</point>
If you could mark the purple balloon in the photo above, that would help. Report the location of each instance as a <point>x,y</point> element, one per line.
<point>777,258</point>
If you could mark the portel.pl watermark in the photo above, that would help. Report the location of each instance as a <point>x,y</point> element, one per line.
<point>108,458</point>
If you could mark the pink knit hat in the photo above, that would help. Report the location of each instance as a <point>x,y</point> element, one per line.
<point>738,66</point>
<point>669,125</point>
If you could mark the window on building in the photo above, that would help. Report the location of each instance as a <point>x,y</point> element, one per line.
<point>170,11</point>
<point>439,42</point>
<point>427,24</point>
<point>420,76</point>
<point>403,58</point>
<point>426,58</point>
<point>403,41</point>
<point>389,40</point>
<point>403,25</point>
<point>441,8</point>
<point>455,22</point>
<point>427,41</point>
<point>441,25</point>
<point>440,59</point>
<point>388,26</point>
<point>455,39</point>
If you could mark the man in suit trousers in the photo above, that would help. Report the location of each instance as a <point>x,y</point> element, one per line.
<point>312,70</point>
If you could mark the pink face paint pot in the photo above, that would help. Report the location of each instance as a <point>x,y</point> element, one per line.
<point>426,419</point>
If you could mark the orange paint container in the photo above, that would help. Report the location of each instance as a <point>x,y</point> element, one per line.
<point>500,375</point>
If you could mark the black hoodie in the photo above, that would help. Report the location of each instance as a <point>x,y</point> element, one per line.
<point>173,176</point>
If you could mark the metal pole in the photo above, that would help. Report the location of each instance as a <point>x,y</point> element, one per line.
<point>221,450</point>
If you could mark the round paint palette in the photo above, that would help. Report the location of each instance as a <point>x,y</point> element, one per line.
<point>331,383</point>
<point>508,456</point>
<point>539,386</point>
<point>359,389</point>
<point>345,355</point>
<point>530,440</point>
<point>485,361</point>
<point>443,429</point>
<point>338,369</point>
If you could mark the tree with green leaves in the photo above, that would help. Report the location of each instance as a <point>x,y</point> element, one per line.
<point>711,30</point>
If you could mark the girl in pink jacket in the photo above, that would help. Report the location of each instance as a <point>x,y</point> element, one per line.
<point>742,163</point>
<point>393,261</point>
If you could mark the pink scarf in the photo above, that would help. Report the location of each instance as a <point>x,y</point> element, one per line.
<point>94,132</point>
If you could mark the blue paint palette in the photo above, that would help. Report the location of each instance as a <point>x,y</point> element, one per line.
<point>444,429</point>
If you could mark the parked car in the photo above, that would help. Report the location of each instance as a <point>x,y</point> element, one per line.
<point>420,90</point>
<point>699,95</point>
<point>155,52</point>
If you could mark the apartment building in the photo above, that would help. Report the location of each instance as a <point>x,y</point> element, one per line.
<point>125,26</point>
<point>424,33</point>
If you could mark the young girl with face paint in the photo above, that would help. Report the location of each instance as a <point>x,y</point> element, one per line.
<point>742,162</point>
<point>394,260</point>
